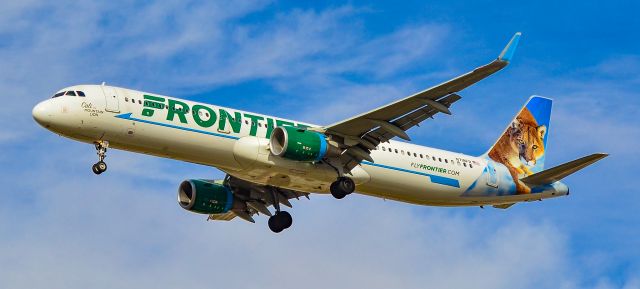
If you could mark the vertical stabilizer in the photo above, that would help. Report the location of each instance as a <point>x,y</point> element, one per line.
<point>522,145</point>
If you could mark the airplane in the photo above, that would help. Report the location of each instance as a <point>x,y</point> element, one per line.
<point>269,160</point>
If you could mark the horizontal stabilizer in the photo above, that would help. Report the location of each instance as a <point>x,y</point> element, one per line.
<point>559,172</point>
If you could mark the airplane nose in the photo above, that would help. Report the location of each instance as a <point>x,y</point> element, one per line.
<point>42,113</point>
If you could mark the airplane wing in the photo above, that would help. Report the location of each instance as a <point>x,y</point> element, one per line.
<point>258,199</point>
<point>362,133</point>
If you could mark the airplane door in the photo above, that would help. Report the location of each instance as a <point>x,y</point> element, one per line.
<point>111,98</point>
<point>492,179</point>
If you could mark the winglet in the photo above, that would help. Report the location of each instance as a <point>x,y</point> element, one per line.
<point>510,49</point>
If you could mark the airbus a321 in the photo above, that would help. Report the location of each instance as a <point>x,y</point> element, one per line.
<point>269,160</point>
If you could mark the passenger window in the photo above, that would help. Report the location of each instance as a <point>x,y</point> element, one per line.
<point>401,152</point>
<point>246,122</point>
<point>470,166</point>
<point>139,101</point>
<point>126,99</point>
<point>440,159</point>
<point>421,156</point>
<point>133,100</point>
<point>72,93</point>
<point>446,161</point>
<point>396,150</point>
<point>415,155</point>
<point>383,149</point>
<point>464,164</point>
<point>58,94</point>
<point>434,159</point>
<point>80,93</point>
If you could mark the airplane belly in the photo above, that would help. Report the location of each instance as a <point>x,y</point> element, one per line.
<point>391,183</point>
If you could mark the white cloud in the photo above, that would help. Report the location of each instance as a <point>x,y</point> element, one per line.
<point>63,227</point>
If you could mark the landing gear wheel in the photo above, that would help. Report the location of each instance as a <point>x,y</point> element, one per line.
<point>287,219</point>
<point>342,187</point>
<point>280,221</point>
<point>335,192</point>
<point>95,169</point>
<point>100,166</point>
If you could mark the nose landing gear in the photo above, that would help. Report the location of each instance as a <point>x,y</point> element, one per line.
<point>100,166</point>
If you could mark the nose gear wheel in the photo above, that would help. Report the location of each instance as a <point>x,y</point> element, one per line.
<point>101,148</point>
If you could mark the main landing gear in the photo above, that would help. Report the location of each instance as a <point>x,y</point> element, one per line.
<point>342,187</point>
<point>281,219</point>
<point>100,166</point>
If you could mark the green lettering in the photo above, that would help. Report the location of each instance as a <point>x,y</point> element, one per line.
<point>254,123</point>
<point>151,103</point>
<point>235,122</point>
<point>270,127</point>
<point>198,118</point>
<point>180,112</point>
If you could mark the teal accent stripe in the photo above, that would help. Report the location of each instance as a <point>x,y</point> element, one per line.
<point>128,116</point>
<point>227,206</point>
<point>434,179</point>
<point>323,147</point>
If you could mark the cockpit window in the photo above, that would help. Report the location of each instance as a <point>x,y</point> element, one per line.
<point>58,94</point>
<point>71,92</point>
<point>80,93</point>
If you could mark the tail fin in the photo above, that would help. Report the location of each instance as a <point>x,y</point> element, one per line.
<point>523,144</point>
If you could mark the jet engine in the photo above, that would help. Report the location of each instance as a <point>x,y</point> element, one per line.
<point>204,197</point>
<point>300,144</point>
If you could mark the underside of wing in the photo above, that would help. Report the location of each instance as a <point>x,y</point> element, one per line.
<point>253,199</point>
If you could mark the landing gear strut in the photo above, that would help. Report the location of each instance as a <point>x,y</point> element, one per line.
<point>281,219</point>
<point>342,187</point>
<point>100,166</point>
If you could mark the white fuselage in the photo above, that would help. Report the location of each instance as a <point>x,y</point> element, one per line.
<point>236,142</point>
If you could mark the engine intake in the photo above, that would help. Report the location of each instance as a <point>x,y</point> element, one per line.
<point>299,144</point>
<point>204,197</point>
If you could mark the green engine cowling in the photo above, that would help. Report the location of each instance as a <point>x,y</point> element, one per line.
<point>204,197</point>
<point>298,144</point>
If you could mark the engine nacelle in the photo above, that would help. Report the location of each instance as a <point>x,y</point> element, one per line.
<point>299,144</point>
<point>204,197</point>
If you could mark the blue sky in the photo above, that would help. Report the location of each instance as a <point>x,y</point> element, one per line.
<point>63,227</point>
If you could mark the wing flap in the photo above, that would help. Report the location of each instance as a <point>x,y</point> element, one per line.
<point>256,199</point>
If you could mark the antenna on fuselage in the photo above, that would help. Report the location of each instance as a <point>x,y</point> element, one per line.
<point>103,83</point>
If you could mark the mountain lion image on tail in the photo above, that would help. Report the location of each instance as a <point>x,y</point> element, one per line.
<point>521,147</point>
